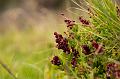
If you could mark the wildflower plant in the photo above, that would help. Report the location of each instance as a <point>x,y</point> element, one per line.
<point>90,48</point>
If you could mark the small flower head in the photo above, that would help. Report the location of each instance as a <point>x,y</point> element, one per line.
<point>56,61</point>
<point>70,23</point>
<point>112,70</point>
<point>62,43</point>
<point>75,52</point>
<point>86,49</point>
<point>83,21</point>
<point>96,46</point>
<point>74,62</point>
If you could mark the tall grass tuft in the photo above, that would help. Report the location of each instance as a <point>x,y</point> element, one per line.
<point>89,49</point>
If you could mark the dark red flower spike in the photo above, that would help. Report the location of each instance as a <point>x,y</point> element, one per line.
<point>74,62</point>
<point>83,21</point>
<point>56,61</point>
<point>62,43</point>
<point>70,23</point>
<point>97,46</point>
<point>86,49</point>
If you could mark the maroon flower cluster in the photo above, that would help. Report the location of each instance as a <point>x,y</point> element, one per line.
<point>113,70</point>
<point>96,46</point>
<point>62,43</point>
<point>74,62</point>
<point>74,58</point>
<point>75,52</point>
<point>56,61</point>
<point>70,23</point>
<point>86,49</point>
<point>83,21</point>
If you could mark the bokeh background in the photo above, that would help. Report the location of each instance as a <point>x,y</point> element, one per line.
<point>26,36</point>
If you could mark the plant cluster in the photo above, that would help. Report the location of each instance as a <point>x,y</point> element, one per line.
<point>89,48</point>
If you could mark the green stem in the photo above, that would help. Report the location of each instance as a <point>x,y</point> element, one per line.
<point>7,69</point>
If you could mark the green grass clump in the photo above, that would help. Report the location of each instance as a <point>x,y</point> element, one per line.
<point>90,49</point>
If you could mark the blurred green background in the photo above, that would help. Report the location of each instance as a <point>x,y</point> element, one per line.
<point>26,37</point>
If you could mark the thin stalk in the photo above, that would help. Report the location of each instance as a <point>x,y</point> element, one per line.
<point>7,69</point>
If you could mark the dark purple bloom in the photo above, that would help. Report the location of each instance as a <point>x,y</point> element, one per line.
<point>83,21</point>
<point>86,49</point>
<point>56,61</point>
<point>69,23</point>
<point>62,43</point>
<point>75,52</point>
<point>74,62</point>
<point>96,46</point>
<point>112,70</point>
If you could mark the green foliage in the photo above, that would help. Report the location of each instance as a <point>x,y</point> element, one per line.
<point>97,42</point>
